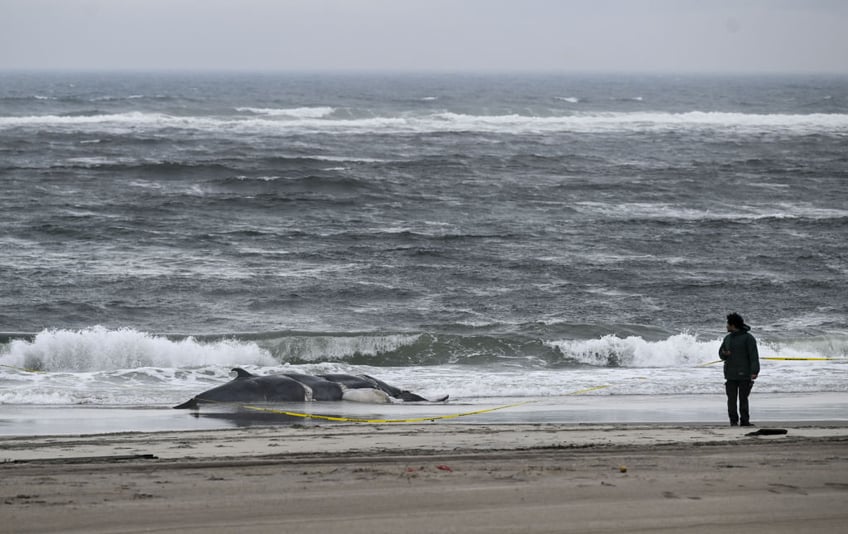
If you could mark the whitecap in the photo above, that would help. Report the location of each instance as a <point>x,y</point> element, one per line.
<point>312,121</point>
<point>297,113</point>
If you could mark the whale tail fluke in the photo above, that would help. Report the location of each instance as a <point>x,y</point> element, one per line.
<point>190,404</point>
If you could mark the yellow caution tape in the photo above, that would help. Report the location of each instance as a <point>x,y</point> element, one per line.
<point>430,418</point>
<point>24,369</point>
<point>364,420</point>
<point>587,390</point>
<point>786,358</point>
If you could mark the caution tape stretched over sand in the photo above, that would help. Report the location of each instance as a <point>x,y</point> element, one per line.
<point>365,420</point>
<point>430,418</point>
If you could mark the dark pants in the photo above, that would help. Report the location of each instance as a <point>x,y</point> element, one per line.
<point>738,389</point>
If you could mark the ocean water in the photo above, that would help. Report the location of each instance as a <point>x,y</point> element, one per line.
<point>485,236</point>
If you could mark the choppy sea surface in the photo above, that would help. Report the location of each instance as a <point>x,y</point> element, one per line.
<point>485,236</point>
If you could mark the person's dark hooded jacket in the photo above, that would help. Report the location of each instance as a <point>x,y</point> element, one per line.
<point>744,360</point>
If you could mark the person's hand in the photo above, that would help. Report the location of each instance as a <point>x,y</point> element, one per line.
<point>754,377</point>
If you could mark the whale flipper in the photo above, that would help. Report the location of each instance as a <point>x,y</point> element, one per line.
<point>367,395</point>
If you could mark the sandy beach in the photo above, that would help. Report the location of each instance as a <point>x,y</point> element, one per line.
<point>429,478</point>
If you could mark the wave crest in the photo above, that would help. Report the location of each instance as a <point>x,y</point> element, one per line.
<point>98,349</point>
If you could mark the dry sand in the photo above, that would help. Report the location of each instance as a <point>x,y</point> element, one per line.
<point>430,478</point>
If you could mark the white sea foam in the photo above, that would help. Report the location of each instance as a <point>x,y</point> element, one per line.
<point>244,178</point>
<point>96,161</point>
<point>352,159</point>
<point>297,113</point>
<point>739,123</point>
<point>503,382</point>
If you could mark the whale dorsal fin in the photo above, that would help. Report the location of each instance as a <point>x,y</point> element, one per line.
<point>241,373</point>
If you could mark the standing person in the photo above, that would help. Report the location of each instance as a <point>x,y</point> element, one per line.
<point>741,367</point>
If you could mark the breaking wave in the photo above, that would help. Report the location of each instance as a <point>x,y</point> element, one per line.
<point>101,349</point>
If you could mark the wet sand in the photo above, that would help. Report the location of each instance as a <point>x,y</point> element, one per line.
<point>31,420</point>
<point>432,477</point>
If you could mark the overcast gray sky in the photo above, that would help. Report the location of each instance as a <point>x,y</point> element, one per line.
<point>561,35</point>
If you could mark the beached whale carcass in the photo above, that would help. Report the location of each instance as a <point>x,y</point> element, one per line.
<point>294,387</point>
